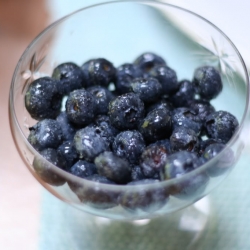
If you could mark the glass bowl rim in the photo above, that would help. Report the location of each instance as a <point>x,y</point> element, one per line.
<point>68,176</point>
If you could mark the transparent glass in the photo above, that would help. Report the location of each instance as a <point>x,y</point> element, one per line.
<point>159,28</point>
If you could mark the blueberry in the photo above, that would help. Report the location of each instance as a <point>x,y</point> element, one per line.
<point>83,169</point>
<point>99,72</point>
<point>125,74</point>
<point>164,143</point>
<point>148,89</point>
<point>179,164</point>
<point>68,128</point>
<point>102,97</point>
<point>148,60</point>
<point>81,107</point>
<point>167,77</point>
<point>43,169</point>
<point>113,167</point>
<point>188,118</point>
<point>68,152</point>
<point>45,134</point>
<point>184,94</point>
<point>126,111</point>
<point>153,160</point>
<point>89,143</point>
<point>43,98</point>
<point>137,174</point>
<point>202,107</point>
<point>161,104</point>
<point>223,163</point>
<point>184,139</point>
<point>140,197</point>
<point>105,128</point>
<point>208,82</point>
<point>205,143</point>
<point>221,125</point>
<point>96,196</point>
<point>129,145</point>
<point>156,125</point>
<point>70,77</point>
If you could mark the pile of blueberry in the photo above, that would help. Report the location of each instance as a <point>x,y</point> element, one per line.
<point>129,125</point>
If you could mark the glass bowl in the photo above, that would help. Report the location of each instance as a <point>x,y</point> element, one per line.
<point>119,32</point>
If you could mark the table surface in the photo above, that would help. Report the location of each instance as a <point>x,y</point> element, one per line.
<point>30,218</point>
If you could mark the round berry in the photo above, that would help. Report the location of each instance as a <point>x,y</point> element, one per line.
<point>45,134</point>
<point>83,169</point>
<point>184,94</point>
<point>184,139</point>
<point>208,82</point>
<point>129,145</point>
<point>99,72</point>
<point>221,125</point>
<point>167,77</point>
<point>125,74</point>
<point>188,118</point>
<point>70,77</point>
<point>43,98</point>
<point>153,160</point>
<point>68,152</point>
<point>113,167</point>
<point>156,125</point>
<point>102,98</point>
<point>44,170</point>
<point>81,107</point>
<point>148,60</point>
<point>88,143</point>
<point>148,89</point>
<point>126,111</point>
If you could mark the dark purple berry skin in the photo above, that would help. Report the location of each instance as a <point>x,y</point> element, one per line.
<point>164,143</point>
<point>208,82</point>
<point>167,77</point>
<point>148,60</point>
<point>205,143</point>
<point>45,134</point>
<point>221,125</point>
<point>124,75</point>
<point>162,104</point>
<point>70,77</point>
<point>113,167</point>
<point>184,94</point>
<point>43,99</point>
<point>148,89</point>
<point>44,171</point>
<point>153,160</point>
<point>68,128</point>
<point>188,118</point>
<point>105,128</point>
<point>68,152</point>
<point>99,72</point>
<point>143,198</point>
<point>177,165</point>
<point>102,98</point>
<point>202,107</point>
<point>184,139</point>
<point>89,144</point>
<point>126,111</point>
<point>129,145</point>
<point>223,163</point>
<point>156,125</point>
<point>81,107</point>
<point>83,169</point>
<point>96,196</point>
